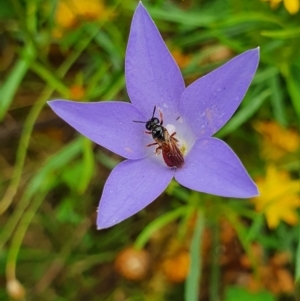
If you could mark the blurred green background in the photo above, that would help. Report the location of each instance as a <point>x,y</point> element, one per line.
<point>185,245</point>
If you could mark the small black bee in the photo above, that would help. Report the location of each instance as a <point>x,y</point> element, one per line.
<point>166,143</point>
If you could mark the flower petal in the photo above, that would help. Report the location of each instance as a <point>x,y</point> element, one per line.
<point>212,167</point>
<point>152,75</point>
<point>131,186</point>
<point>208,103</point>
<point>109,124</point>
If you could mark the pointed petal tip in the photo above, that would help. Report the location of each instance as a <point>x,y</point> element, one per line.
<point>125,196</point>
<point>106,220</point>
<point>218,94</point>
<point>102,225</point>
<point>248,192</point>
<point>254,191</point>
<point>253,53</point>
<point>248,189</point>
<point>54,102</point>
<point>257,52</point>
<point>251,190</point>
<point>147,59</point>
<point>50,102</point>
<point>58,104</point>
<point>100,121</point>
<point>141,7</point>
<point>212,167</point>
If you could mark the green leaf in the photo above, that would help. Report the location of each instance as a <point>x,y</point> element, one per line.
<point>88,165</point>
<point>293,87</point>
<point>115,87</point>
<point>50,78</point>
<point>106,160</point>
<point>282,34</point>
<point>71,174</point>
<point>277,101</point>
<point>187,18</point>
<point>158,223</point>
<point>65,212</point>
<point>11,85</point>
<point>236,293</point>
<point>55,163</point>
<point>42,181</point>
<point>7,10</point>
<point>113,49</point>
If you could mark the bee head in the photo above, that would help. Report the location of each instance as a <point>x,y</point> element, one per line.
<point>152,123</point>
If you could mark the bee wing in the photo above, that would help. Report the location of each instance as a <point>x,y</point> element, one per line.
<point>172,155</point>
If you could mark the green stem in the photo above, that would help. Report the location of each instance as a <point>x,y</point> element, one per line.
<point>50,78</point>
<point>29,123</point>
<point>22,149</point>
<point>54,163</point>
<point>215,265</point>
<point>21,155</point>
<point>192,284</point>
<point>158,223</point>
<point>19,235</point>
<point>57,264</point>
<point>242,235</point>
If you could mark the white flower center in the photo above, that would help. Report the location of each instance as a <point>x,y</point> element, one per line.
<point>183,134</point>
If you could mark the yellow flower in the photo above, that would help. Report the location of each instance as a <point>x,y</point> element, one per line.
<point>279,197</point>
<point>70,12</point>
<point>292,6</point>
<point>277,141</point>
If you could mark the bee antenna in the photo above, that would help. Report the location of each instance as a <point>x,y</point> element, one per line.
<point>153,111</point>
<point>139,121</point>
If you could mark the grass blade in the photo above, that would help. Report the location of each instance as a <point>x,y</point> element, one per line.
<point>192,283</point>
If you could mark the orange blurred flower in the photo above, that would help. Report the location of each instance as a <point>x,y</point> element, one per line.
<point>272,275</point>
<point>279,197</point>
<point>133,264</point>
<point>77,92</point>
<point>176,268</point>
<point>277,141</point>
<point>218,53</point>
<point>181,59</point>
<point>69,13</point>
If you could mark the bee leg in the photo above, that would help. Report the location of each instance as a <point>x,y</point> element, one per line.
<point>155,143</point>
<point>161,117</point>
<point>148,132</point>
<point>173,138</point>
<point>158,150</point>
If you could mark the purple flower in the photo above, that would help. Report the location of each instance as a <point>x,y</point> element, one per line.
<point>195,113</point>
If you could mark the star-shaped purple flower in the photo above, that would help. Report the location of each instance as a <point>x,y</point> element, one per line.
<point>195,113</point>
